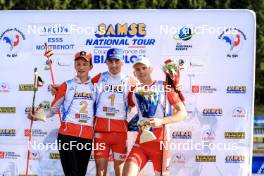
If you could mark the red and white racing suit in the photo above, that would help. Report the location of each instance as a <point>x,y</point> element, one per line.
<point>77,101</point>
<point>141,153</point>
<point>111,114</point>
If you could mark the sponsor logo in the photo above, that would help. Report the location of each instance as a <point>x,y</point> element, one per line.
<point>50,29</point>
<point>7,109</point>
<point>236,89</point>
<point>121,30</point>
<point>83,95</point>
<point>233,38</point>
<point>7,132</point>
<point>194,64</point>
<point>54,156</point>
<point>132,36</point>
<point>127,59</point>
<point>83,118</point>
<point>208,135</point>
<point>12,40</point>
<point>34,156</point>
<point>2,155</point>
<point>64,63</point>
<point>182,135</point>
<point>205,158</point>
<point>178,159</point>
<point>8,155</point>
<point>235,159</point>
<point>203,89</point>
<point>125,34</point>
<point>195,89</point>
<point>55,46</point>
<point>239,112</point>
<point>53,32</point>
<point>181,62</point>
<point>235,135</point>
<point>35,132</point>
<point>212,112</point>
<point>184,34</point>
<point>4,87</point>
<point>26,87</point>
<point>110,111</point>
<point>182,47</point>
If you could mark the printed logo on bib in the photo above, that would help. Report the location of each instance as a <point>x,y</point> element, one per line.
<point>110,111</point>
<point>82,118</point>
<point>83,95</point>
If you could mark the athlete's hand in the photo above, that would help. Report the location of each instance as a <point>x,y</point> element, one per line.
<point>54,88</point>
<point>32,116</point>
<point>144,123</point>
<point>48,53</point>
<point>179,87</point>
<point>155,122</point>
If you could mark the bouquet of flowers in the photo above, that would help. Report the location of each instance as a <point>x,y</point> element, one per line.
<point>41,110</point>
<point>172,71</point>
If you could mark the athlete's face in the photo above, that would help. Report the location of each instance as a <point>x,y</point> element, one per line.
<point>82,67</point>
<point>114,66</point>
<point>142,73</point>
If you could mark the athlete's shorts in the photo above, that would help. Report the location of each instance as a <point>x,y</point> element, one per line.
<point>111,140</point>
<point>141,153</point>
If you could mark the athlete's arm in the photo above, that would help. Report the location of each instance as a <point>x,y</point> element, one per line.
<point>96,78</point>
<point>58,100</point>
<point>55,105</point>
<point>179,115</point>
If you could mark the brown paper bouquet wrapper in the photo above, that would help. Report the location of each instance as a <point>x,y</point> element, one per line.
<point>41,114</point>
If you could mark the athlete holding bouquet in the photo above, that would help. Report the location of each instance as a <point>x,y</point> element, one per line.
<point>154,114</point>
